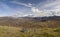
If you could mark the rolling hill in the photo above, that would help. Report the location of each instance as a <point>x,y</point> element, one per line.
<point>30,26</point>
<point>31,22</point>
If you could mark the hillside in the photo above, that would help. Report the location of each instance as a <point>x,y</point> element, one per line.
<point>6,31</point>
<point>30,22</point>
<point>29,27</point>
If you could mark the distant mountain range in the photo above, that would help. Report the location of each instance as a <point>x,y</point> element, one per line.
<point>30,22</point>
<point>30,18</point>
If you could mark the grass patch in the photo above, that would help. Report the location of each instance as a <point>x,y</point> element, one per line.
<point>6,31</point>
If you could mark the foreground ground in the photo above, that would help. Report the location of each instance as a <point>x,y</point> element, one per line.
<point>10,27</point>
<point>6,31</point>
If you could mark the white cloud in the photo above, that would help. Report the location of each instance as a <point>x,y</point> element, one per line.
<point>36,11</point>
<point>55,5</point>
<point>51,6</point>
<point>13,12</point>
<point>41,13</point>
<point>33,9</point>
<point>27,5</point>
<point>18,13</point>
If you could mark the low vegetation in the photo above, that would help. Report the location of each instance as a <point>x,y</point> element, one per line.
<point>29,28</point>
<point>6,31</point>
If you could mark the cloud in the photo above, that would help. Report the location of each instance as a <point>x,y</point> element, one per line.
<point>19,13</point>
<point>53,7</point>
<point>27,5</point>
<point>41,13</point>
<point>8,11</point>
<point>35,10</point>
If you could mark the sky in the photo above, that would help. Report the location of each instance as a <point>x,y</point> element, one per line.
<point>31,8</point>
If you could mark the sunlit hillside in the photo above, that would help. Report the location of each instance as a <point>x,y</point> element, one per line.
<point>29,27</point>
<point>6,31</point>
